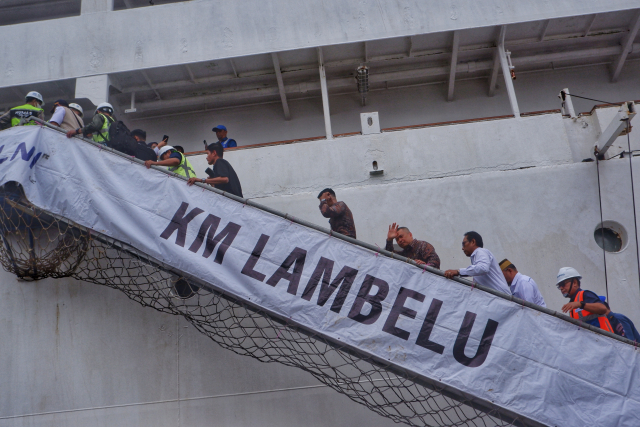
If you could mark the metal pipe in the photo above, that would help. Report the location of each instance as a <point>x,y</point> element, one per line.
<point>283,95</point>
<point>325,95</point>
<point>506,73</point>
<point>453,65</point>
<point>567,104</point>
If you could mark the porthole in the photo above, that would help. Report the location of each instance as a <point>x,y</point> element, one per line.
<point>610,236</point>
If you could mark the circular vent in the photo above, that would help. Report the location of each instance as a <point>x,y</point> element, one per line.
<point>610,236</point>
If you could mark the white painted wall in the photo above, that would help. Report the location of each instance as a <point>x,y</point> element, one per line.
<point>515,181</point>
<point>81,355</point>
<point>409,155</point>
<point>541,218</point>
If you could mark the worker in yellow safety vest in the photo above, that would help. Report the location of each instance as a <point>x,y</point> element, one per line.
<point>177,162</point>
<point>99,126</point>
<point>32,108</point>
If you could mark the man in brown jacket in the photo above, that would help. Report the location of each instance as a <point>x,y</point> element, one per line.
<point>420,251</point>
<point>64,117</point>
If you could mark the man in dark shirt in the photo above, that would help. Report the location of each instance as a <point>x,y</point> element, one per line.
<point>420,251</point>
<point>224,177</point>
<point>339,214</point>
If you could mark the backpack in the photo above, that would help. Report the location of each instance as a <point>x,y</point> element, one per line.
<point>120,138</point>
<point>145,153</point>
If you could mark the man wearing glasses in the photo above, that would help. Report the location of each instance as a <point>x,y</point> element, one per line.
<point>585,305</point>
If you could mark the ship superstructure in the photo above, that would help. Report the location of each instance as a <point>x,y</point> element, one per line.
<point>471,132</point>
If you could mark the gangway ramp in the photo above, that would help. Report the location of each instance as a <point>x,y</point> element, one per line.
<point>402,340</point>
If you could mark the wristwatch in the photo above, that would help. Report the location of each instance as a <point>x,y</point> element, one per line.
<point>582,305</point>
<point>204,180</point>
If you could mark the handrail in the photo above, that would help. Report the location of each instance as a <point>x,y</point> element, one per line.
<point>353,241</point>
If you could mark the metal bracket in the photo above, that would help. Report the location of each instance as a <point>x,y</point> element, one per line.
<point>616,128</point>
<point>133,104</point>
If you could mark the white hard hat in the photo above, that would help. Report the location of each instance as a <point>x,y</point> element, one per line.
<point>35,95</point>
<point>105,106</point>
<point>567,273</point>
<point>77,107</point>
<point>164,150</point>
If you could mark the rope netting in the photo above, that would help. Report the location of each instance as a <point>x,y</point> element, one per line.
<point>37,244</point>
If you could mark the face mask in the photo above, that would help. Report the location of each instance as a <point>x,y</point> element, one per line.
<point>566,295</point>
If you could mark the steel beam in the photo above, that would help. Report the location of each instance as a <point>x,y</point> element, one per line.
<point>283,95</point>
<point>567,103</point>
<point>545,27</point>
<point>626,112</point>
<point>627,45</point>
<point>493,79</point>
<point>191,76</point>
<point>590,24</point>
<point>325,95</point>
<point>146,77</point>
<point>233,67</point>
<point>506,73</point>
<point>453,65</point>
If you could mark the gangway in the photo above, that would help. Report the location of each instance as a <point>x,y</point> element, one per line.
<point>396,337</point>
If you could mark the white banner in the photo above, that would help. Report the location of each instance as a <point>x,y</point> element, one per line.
<point>520,359</point>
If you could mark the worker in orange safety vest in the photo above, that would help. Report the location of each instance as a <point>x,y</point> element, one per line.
<point>585,306</point>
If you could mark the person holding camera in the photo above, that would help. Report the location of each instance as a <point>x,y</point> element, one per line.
<point>222,176</point>
<point>339,214</point>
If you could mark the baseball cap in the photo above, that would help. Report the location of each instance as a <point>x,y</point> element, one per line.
<point>219,127</point>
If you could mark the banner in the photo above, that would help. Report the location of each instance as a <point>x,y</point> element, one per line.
<point>517,358</point>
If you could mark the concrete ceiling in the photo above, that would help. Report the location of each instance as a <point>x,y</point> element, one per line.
<point>402,61</point>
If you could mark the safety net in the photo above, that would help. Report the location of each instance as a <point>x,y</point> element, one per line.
<point>38,244</point>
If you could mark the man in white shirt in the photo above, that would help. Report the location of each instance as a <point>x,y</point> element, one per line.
<point>484,268</point>
<point>521,286</point>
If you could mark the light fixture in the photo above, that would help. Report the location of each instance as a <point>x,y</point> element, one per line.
<point>362,77</point>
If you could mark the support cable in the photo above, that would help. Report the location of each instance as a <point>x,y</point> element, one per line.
<point>596,100</point>
<point>633,199</point>
<point>604,253</point>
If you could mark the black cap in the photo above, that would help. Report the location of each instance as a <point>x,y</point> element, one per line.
<point>60,102</point>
